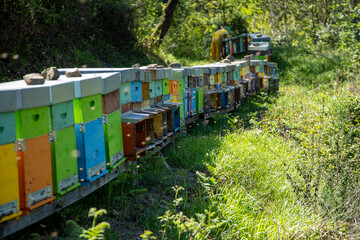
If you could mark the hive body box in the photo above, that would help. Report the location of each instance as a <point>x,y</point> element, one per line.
<point>125,93</point>
<point>62,115</point>
<point>113,139</point>
<point>136,91</point>
<point>88,108</point>
<point>176,119</point>
<point>91,151</point>
<point>134,134</point>
<point>165,87</point>
<point>150,133</point>
<point>35,173</point>
<point>32,122</point>
<point>134,147</point>
<point>224,99</point>
<point>200,100</point>
<point>7,128</point>
<point>111,102</point>
<point>64,162</point>
<point>9,182</point>
<point>193,101</point>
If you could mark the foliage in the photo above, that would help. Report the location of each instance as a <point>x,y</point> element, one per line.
<point>37,34</point>
<point>97,230</point>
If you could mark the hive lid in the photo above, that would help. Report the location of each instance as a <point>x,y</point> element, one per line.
<point>18,95</point>
<point>133,117</point>
<point>84,86</point>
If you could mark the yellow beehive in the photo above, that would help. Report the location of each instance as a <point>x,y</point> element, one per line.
<point>9,183</point>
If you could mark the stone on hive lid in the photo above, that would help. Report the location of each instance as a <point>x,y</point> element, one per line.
<point>225,61</point>
<point>175,65</point>
<point>34,79</point>
<point>73,73</point>
<point>50,73</point>
<point>152,65</point>
<point>231,58</point>
<point>137,65</point>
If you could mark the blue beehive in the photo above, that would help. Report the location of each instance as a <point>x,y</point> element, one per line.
<point>176,119</point>
<point>186,103</point>
<point>136,92</point>
<point>166,97</point>
<point>224,99</point>
<point>91,151</point>
<point>193,101</point>
<point>190,99</point>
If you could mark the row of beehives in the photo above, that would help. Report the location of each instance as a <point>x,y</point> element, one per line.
<point>67,133</point>
<point>249,43</point>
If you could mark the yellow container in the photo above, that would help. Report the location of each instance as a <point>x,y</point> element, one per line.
<point>9,183</point>
<point>218,79</point>
<point>242,72</point>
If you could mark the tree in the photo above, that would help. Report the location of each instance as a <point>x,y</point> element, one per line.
<point>164,24</point>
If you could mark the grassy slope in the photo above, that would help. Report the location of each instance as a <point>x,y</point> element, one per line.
<point>274,175</point>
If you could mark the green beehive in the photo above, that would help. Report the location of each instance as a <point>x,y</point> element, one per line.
<point>32,122</point>
<point>88,108</point>
<point>181,100</point>
<point>125,93</point>
<point>200,100</point>
<point>158,88</point>
<point>62,115</point>
<point>165,86</point>
<point>64,160</point>
<point>113,139</point>
<point>152,89</point>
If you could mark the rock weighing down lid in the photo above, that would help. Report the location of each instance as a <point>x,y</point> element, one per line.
<point>17,95</point>
<point>84,86</point>
<point>133,117</point>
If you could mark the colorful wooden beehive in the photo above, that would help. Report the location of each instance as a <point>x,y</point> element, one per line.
<point>89,129</point>
<point>153,123</point>
<point>134,134</point>
<point>231,95</point>
<point>113,139</point>
<point>225,99</point>
<point>176,119</point>
<point>9,182</point>
<point>91,157</point>
<point>62,137</point>
<point>32,120</point>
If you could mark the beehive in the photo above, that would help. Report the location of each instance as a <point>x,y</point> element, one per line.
<point>9,182</point>
<point>64,160</point>
<point>35,172</point>
<point>113,140</point>
<point>90,143</point>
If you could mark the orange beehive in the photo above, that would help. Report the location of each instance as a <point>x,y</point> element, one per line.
<point>35,174</point>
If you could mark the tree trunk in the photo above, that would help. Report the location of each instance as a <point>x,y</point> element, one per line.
<point>165,22</point>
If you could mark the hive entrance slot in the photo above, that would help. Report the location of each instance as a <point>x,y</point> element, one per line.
<point>36,117</point>
<point>63,115</point>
